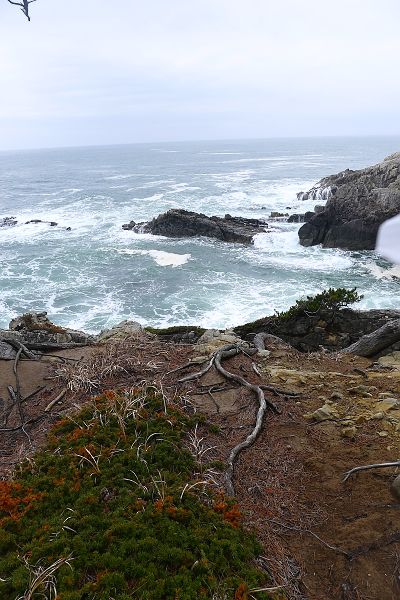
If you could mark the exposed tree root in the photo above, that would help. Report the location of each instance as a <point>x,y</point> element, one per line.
<point>367,467</point>
<point>314,535</point>
<point>216,361</point>
<point>383,541</point>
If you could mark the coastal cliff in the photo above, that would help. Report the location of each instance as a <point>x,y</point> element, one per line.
<point>358,202</point>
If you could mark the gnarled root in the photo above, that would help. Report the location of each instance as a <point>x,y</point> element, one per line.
<point>216,360</point>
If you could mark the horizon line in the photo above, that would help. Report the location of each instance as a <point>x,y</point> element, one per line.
<point>200,140</point>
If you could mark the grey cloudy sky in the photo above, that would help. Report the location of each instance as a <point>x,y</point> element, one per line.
<point>116,71</point>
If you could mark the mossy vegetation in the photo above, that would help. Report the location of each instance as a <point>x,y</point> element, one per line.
<point>176,330</point>
<point>109,511</point>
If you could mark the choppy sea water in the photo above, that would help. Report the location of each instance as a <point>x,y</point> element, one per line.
<point>97,274</point>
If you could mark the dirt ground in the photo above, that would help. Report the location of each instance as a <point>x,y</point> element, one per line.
<point>323,539</point>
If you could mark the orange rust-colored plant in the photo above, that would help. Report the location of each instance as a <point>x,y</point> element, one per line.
<point>229,510</point>
<point>15,501</point>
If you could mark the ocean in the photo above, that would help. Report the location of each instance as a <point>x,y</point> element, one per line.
<point>96,274</point>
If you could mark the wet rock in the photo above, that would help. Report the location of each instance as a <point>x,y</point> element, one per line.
<point>278,215</point>
<point>358,202</point>
<point>182,223</point>
<point>301,217</point>
<point>8,222</point>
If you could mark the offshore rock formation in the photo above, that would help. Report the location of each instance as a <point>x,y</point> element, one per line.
<point>183,223</point>
<point>357,204</point>
<point>12,221</point>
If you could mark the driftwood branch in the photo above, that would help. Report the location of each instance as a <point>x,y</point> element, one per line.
<point>59,397</point>
<point>375,342</point>
<point>367,467</point>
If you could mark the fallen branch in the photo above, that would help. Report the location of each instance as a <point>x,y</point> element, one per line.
<point>383,541</point>
<point>367,467</point>
<point>18,346</point>
<point>56,399</point>
<point>314,535</point>
<point>378,340</point>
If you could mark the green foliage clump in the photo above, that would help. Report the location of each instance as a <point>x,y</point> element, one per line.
<point>110,499</point>
<point>176,330</point>
<point>329,300</point>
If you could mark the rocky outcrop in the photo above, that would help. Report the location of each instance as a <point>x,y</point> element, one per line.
<point>122,331</point>
<point>301,217</point>
<point>183,223</point>
<point>358,202</point>
<point>36,332</point>
<point>309,333</point>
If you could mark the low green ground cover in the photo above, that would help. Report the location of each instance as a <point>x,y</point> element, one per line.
<point>106,512</point>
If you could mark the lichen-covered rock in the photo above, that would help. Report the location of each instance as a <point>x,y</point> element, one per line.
<point>183,223</point>
<point>121,331</point>
<point>213,339</point>
<point>37,332</point>
<point>358,202</point>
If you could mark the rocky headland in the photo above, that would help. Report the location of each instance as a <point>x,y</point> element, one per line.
<point>177,223</point>
<point>279,429</point>
<point>358,202</point>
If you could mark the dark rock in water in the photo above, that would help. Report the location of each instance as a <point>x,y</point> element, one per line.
<point>36,221</point>
<point>129,226</point>
<point>278,215</point>
<point>358,202</point>
<point>183,223</point>
<point>8,222</point>
<point>37,332</point>
<point>301,218</point>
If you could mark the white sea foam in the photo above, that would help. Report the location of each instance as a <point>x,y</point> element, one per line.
<point>116,177</point>
<point>164,259</point>
<point>389,273</point>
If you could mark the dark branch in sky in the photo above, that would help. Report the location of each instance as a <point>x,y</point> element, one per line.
<point>24,6</point>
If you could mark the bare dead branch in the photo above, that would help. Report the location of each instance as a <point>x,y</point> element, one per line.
<point>367,467</point>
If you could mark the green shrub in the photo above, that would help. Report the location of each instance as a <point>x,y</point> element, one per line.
<point>330,300</point>
<point>108,494</point>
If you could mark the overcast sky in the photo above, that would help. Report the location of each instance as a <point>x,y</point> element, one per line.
<point>119,71</point>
